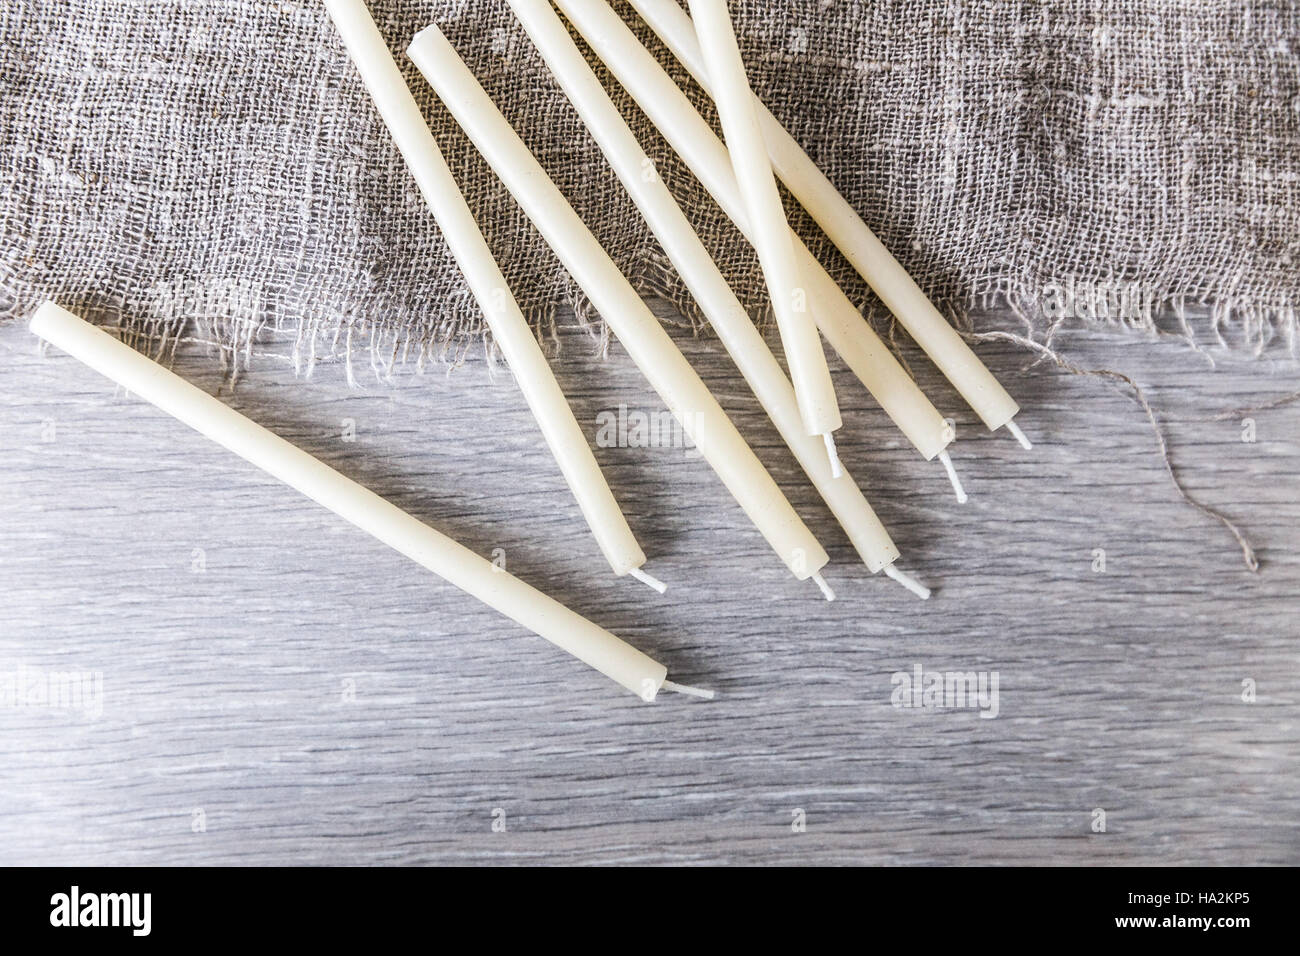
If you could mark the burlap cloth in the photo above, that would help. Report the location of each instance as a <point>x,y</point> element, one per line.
<point>219,162</point>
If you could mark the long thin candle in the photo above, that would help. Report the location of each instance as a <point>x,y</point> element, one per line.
<point>563,435</point>
<point>850,234</point>
<point>705,282</point>
<point>431,549</point>
<point>772,237</point>
<point>636,327</point>
<point>694,140</point>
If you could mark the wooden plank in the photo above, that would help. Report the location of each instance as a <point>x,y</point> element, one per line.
<point>309,697</point>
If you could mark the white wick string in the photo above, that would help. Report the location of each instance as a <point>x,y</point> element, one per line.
<point>837,469</point>
<point>909,582</point>
<point>688,691</point>
<point>952,476</point>
<point>826,588</point>
<point>649,580</point>
<point>1025,443</point>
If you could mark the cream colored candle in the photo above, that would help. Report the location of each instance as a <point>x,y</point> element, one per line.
<point>510,330</point>
<point>637,329</point>
<point>851,235</point>
<point>446,558</point>
<point>705,282</point>
<point>702,151</point>
<point>771,231</point>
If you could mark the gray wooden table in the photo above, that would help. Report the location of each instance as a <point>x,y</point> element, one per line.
<point>275,687</point>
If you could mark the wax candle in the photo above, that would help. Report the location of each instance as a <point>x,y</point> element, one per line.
<point>772,238</point>
<point>706,283</point>
<point>632,322</point>
<point>563,435</point>
<point>842,224</point>
<point>699,147</point>
<point>438,553</point>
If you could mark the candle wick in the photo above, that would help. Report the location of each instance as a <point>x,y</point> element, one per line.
<point>1025,443</point>
<point>837,470</point>
<point>826,588</point>
<point>909,582</point>
<point>688,691</point>
<point>952,476</point>
<point>649,580</point>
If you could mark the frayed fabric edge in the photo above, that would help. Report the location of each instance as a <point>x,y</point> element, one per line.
<point>387,336</point>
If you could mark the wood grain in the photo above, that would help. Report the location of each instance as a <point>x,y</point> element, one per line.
<point>320,700</point>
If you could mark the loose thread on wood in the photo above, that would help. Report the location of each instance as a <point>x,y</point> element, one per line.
<point>1253,409</point>
<point>1139,396</point>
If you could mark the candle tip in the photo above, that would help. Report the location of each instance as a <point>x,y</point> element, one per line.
<point>826,588</point>
<point>837,469</point>
<point>649,580</point>
<point>1025,443</point>
<point>952,476</point>
<point>909,582</point>
<point>699,692</point>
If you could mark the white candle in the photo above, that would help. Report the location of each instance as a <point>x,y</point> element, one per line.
<point>842,224</point>
<point>563,435</point>
<point>704,280</point>
<point>772,238</point>
<point>631,320</point>
<point>438,553</point>
<point>693,139</point>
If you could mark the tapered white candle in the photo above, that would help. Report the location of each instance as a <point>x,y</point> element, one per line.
<point>438,553</point>
<point>699,147</point>
<point>846,229</point>
<point>702,277</point>
<point>649,346</point>
<point>772,238</point>
<point>414,140</point>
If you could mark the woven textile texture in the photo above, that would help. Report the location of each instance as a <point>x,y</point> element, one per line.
<point>218,162</point>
